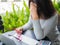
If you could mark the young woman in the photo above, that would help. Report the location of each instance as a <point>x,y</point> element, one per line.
<point>43,19</point>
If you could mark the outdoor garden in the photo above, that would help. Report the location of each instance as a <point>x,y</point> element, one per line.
<point>17,18</point>
<point>16,14</point>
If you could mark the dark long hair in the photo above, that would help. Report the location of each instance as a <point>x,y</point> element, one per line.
<point>44,6</point>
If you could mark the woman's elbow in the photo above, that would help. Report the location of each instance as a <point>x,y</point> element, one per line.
<point>39,37</point>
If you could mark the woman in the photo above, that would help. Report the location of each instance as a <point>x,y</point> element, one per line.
<point>43,20</point>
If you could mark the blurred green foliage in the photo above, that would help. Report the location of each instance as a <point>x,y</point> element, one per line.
<point>56,4</point>
<point>12,20</point>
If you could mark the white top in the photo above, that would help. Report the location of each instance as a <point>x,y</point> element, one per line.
<point>43,27</point>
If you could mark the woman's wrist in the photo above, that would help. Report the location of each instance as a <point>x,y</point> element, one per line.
<point>35,17</point>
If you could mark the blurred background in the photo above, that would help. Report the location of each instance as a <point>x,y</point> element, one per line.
<point>15,13</point>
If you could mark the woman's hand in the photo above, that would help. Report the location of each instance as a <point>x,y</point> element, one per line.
<point>19,31</point>
<point>33,11</point>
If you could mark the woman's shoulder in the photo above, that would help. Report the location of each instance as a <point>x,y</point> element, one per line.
<point>54,16</point>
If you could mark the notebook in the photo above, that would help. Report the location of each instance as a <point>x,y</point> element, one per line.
<point>14,40</point>
<point>31,41</point>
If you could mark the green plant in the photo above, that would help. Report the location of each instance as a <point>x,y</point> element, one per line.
<point>17,18</point>
<point>56,4</point>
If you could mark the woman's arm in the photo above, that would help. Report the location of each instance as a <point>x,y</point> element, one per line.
<point>28,25</point>
<point>40,33</point>
<point>50,24</point>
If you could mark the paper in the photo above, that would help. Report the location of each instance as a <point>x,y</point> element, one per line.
<point>1,43</point>
<point>27,40</point>
<point>31,41</point>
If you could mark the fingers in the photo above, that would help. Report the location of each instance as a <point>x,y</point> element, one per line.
<point>33,8</point>
<point>33,4</point>
<point>18,31</point>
